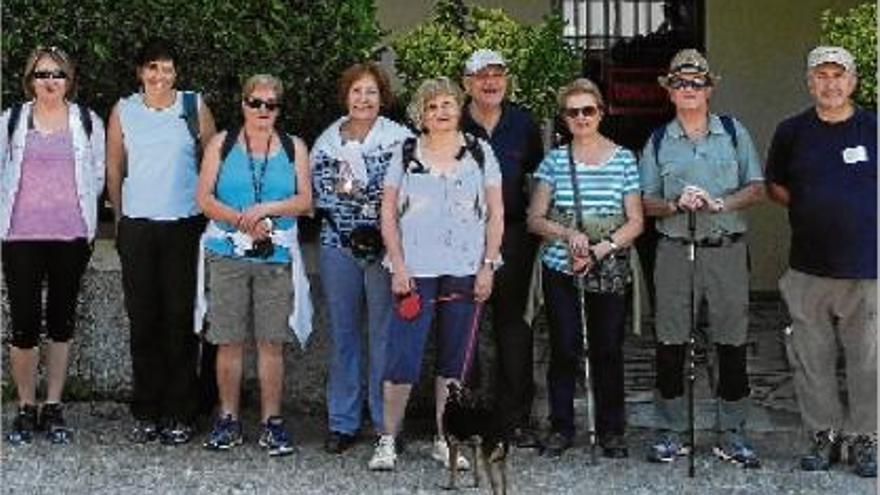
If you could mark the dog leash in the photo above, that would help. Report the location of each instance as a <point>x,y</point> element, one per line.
<point>472,337</point>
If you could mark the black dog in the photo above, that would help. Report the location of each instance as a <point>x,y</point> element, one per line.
<point>466,423</point>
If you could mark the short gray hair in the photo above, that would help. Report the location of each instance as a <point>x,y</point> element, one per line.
<point>262,80</point>
<point>428,90</point>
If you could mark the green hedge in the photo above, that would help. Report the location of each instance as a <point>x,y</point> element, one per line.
<point>307,43</point>
<point>856,30</point>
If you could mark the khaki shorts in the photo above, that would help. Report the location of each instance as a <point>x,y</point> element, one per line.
<point>247,299</point>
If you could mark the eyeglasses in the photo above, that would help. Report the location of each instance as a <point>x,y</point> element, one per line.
<point>50,74</point>
<point>489,74</point>
<point>257,103</point>
<point>586,111</point>
<point>689,83</point>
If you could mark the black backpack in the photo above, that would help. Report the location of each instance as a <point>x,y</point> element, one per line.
<point>412,164</point>
<point>15,114</point>
<point>232,137</point>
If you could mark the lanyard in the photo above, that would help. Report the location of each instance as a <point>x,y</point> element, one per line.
<point>257,179</point>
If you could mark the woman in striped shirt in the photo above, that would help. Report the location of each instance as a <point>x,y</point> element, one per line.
<point>594,248</point>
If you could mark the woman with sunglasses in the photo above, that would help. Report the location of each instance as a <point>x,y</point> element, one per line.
<point>154,138</point>
<point>442,223</point>
<point>254,183</point>
<point>349,161</point>
<point>51,176</point>
<point>595,249</point>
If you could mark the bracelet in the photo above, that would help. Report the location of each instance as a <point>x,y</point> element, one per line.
<point>494,263</point>
<point>610,241</point>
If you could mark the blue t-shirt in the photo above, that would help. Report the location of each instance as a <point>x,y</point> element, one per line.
<point>602,190</point>
<point>236,188</point>
<point>516,141</point>
<point>830,171</point>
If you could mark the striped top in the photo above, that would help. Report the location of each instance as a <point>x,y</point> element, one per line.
<point>602,189</point>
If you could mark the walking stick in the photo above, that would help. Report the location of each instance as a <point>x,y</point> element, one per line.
<point>588,382</point>
<point>692,252</point>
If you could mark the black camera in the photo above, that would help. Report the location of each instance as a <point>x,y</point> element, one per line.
<point>366,242</point>
<point>261,249</point>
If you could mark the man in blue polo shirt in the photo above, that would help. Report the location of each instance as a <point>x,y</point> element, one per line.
<point>822,165</point>
<point>516,141</point>
<point>705,165</point>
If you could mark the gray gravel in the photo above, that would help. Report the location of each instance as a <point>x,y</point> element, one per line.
<point>101,461</point>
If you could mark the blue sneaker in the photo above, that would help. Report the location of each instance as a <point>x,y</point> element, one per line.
<point>275,438</point>
<point>734,447</point>
<point>864,456</point>
<point>225,435</point>
<point>23,426</point>
<point>666,447</point>
<point>52,422</point>
<point>825,450</point>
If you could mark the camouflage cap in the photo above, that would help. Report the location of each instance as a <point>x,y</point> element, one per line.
<point>831,55</point>
<point>687,61</point>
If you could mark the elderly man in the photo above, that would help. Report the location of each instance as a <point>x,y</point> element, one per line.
<point>703,166</point>
<point>822,165</point>
<point>516,141</point>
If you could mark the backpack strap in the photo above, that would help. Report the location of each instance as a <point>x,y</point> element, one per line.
<point>288,146</point>
<point>12,123</point>
<point>726,122</point>
<point>474,148</point>
<point>228,142</point>
<point>191,116</point>
<point>85,116</point>
<point>729,128</point>
<point>656,138</point>
<point>409,153</point>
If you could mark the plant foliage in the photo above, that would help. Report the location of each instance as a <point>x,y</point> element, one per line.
<point>856,30</point>
<point>538,58</point>
<point>307,43</point>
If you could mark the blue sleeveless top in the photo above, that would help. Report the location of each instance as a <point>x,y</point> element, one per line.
<point>235,188</point>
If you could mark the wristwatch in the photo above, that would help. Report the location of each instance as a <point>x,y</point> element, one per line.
<point>610,241</point>
<point>494,263</point>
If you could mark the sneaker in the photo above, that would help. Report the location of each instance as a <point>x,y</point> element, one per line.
<point>556,444</point>
<point>23,425</point>
<point>666,447</point>
<point>52,422</point>
<point>864,456</point>
<point>225,435</point>
<point>734,447</point>
<point>385,456</point>
<point>614,446</point>
<point>275,438</point>
<point>143,431</point>
<point>338,442</point>
<point>176,433</point>
<point>824,451</point>
<point>441,454</point>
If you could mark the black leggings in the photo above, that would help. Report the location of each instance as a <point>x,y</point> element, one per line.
<point>26,266</point>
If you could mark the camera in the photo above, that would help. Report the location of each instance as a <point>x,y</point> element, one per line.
<point>366,242</point>
<point>261,249</point>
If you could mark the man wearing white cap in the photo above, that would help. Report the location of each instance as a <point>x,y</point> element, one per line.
<point>516,141</point>
<point>698,173</point>
<point>822,166</point>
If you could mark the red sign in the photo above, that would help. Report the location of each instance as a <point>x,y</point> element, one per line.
<point>635,91</point>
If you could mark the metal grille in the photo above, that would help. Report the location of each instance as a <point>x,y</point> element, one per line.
<point>595,25</point>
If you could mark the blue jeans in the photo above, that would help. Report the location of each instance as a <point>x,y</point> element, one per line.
<point>347,285</point>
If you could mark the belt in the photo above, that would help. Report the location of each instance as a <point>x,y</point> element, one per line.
<point>709,242</point>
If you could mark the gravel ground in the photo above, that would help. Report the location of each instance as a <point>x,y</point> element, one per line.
<point>101,461</point>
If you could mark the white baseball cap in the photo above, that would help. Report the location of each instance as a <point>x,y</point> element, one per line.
<point>831,55</point>
<point>481,59</point>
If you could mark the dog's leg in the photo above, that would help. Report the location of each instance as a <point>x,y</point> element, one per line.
<point>451,461</point>
<point>477,449</point>
<point>497,469</point>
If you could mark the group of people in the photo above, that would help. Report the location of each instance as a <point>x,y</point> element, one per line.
<point>423,227</point>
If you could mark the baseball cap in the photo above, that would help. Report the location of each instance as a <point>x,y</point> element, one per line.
<point>481,59</point>
<point>831,55</point>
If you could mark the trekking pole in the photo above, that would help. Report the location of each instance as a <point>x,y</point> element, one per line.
<point>692,377</point>
<point>588,382</point>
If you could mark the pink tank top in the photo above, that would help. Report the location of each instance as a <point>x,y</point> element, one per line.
<point>47,205</point>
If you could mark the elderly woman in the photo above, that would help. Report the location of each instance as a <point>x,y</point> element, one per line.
<point>51,176</point>
<point>442,223</point>
<point>349,161</point>
<point>154,138</point>
<point>594,179</point>
<point>254,183</point>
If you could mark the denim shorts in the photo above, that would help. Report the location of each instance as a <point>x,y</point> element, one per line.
<point>454,318</point>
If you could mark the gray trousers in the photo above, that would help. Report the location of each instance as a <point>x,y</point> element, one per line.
<point>829,315</point>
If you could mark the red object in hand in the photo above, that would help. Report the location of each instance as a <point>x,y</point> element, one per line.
<point>409,306</point>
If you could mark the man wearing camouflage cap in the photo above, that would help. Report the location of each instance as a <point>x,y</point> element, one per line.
<point>822,166</point>
<point>704,165</point>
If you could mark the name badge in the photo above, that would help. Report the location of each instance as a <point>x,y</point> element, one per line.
<point>855,155</point>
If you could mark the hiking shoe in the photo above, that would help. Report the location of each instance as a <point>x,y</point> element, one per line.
<point>225,435</point>
<point>824,451</point>
<point>385,455</point>
<point>556,444</point>
<point>864,456</point>
<point>23,425</point>
<point>614,447</point>
<point>734,447</point>
<point>52,422</point>
<point>666,447</point>
<point>143,431</point>
<point>275,438</point>
<point>338,442</point>
<point>441,454</point>
<point>176,433</point>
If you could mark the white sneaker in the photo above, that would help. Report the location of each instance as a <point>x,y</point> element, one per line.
<point>384,457</point>
<point>441,453</point>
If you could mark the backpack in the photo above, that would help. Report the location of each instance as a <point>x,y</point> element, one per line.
<point>231,138</point>
<point>726,121</point>
<point>15,114</point>
<point>471,145</point>
<point>191,116</point>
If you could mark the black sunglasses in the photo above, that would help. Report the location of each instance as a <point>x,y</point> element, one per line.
<point>689,83</point>
<point>586,111</point>
<point>50,74</point>
<point>256,103</point>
